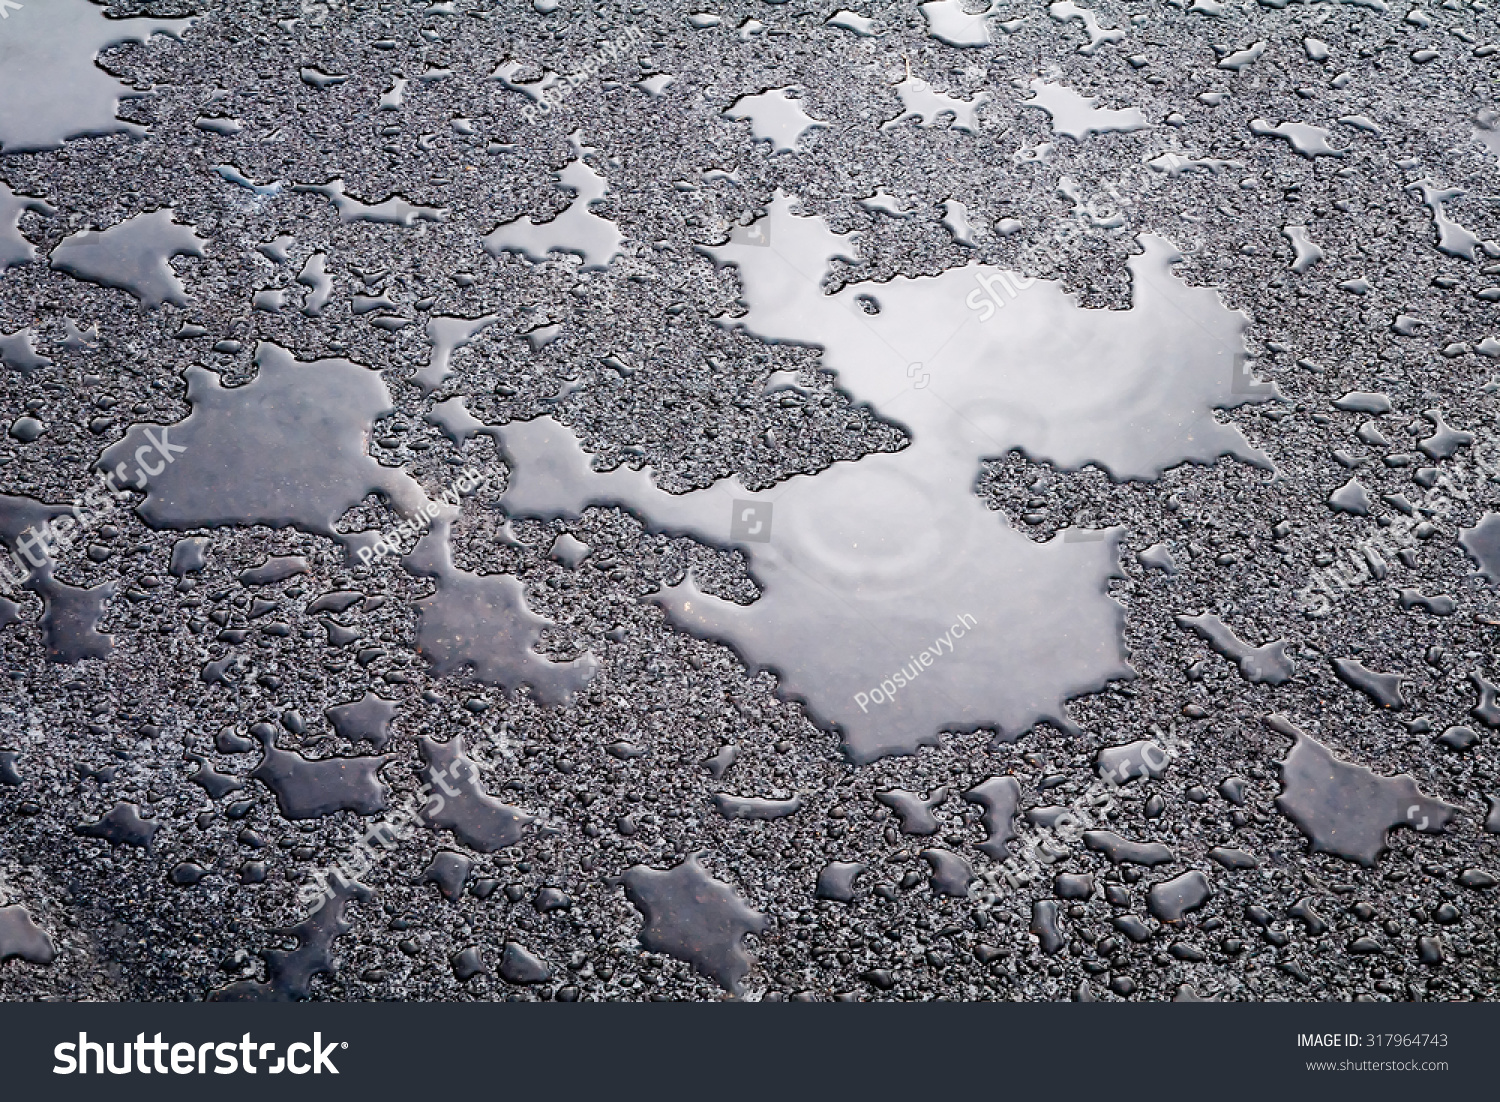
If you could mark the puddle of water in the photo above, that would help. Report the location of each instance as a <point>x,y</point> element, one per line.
<point>836,880</point>
<point>49,83</point>
<point>1240,60</point>
<point>454,420</point>
<point>276,568</point>
<point>956,222</point>
<point>1487,133</point>
<point>948,22</point>
<point>480,624</point>
<point>132,255</point>
<point>888,573</point>
<point>316,78</point>
<point>576,230</point>
<point>885,204</point>
<point>569,551</point>
<point>1268,664</point>
<point>449,871</point>
<point>218,124</point>
<point>1171,899</point>
<point>919,100</point>
<point>394,97</point>
<point>1310,141</point>
<point>18,515</point>
<point>1099,35</point>
<point>853,22</point>
<point>70,615</point>
<point>209,779</point>
<point>657,84</point>
<point>1124,851</point>
<point>774,117</point>
<point>998,796</point>
<point>1132,761</point>
<point>1076,116</point>
<point>290,972</point>
<point>288,448</point>
<point>519,965</point>
<point>392,211</point>
<point>1453,238</point>
<point>70,618</point>
<point>914,810</point>
<point>18,353</point>
<point>15,249</point>
<point>1352,498</point>
<point>1382,688</point>
<point>1158,557</point>
<point>446,335</point>
<point>23,938</point>
<point>695,918</point>
<point>307,789</point>
<point>367,719</point>
<point>535,90</point>
<point>460,803</point>
<point>1482,544</point>
<point>1445,440</point>
<point>1361,122</point>
<point>1345,809</point>
<point>1045,924</point>
<point>1307,252</point>
<point>755,807</point>
<point>123,826</point>
<point>231,175</point>
<point>951,874</point>
<point>1174,164</point>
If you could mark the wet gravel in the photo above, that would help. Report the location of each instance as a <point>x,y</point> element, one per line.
<point>618,779</point>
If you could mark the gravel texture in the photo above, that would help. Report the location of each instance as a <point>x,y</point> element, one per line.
<point>617,779</point>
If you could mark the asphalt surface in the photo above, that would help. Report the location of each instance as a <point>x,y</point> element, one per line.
<point>627,881</point>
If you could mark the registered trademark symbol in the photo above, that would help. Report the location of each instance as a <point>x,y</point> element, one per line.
<point>343,1044</point>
